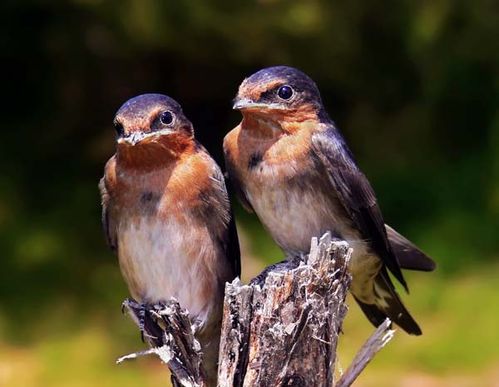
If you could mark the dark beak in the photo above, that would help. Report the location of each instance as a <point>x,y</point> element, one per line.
<point>247,104</point>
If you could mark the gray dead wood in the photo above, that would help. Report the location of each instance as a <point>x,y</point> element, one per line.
<point>168,330</point>
<point>280,330</point>
<point>381,336</point>
<point>283,328</point>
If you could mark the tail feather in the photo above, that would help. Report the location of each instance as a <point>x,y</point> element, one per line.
<point>373,314</point>
<point>408,255</point>
<point>388,304</point>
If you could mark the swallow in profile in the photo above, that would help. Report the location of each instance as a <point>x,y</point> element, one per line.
<point>289,164</point>
<point>166,214</point>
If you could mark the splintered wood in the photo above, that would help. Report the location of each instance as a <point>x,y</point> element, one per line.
<point>284,330</point>
<point>168,330</point>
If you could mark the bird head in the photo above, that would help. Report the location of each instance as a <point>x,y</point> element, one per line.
<point>279,94</point>
<point>152,127</point>
<point>149,117</point>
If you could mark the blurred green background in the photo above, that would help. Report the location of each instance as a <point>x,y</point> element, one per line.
<point>412,85</point>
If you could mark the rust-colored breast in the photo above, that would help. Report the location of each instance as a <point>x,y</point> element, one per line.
<point>170,189</point>
<point>250,156</point>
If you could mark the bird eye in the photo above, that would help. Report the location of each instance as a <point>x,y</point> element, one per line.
<point>285,92</point>
<point>118,126</point>
<point>166,118</point>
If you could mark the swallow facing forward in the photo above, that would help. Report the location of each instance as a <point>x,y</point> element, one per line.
<point>289,163</point>
<point>166,214</point>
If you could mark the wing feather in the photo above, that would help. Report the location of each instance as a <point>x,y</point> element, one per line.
<point>229,238</point>
<point>107,218</point>
<point>235,184</point>
<point>355,194</point>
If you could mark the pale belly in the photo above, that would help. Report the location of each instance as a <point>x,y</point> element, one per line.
<point>160,260</point>
<point>294,216</point>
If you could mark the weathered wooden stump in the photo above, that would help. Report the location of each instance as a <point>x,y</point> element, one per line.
<point>280,330</point>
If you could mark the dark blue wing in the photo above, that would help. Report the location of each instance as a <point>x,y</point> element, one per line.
<point>107,219</point>
<point>228,237</point>
<point>355,193</point>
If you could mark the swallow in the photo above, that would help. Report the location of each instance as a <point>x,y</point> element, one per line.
<point>167,216</point>
<point>289,164</point>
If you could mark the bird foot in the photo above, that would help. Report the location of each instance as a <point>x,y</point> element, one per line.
<point>138,312</point>
<point>285,265</point>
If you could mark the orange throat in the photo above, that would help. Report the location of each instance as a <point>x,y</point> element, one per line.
<point>157,152</point>
<point>261,126</point>
<point>275,123</point>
